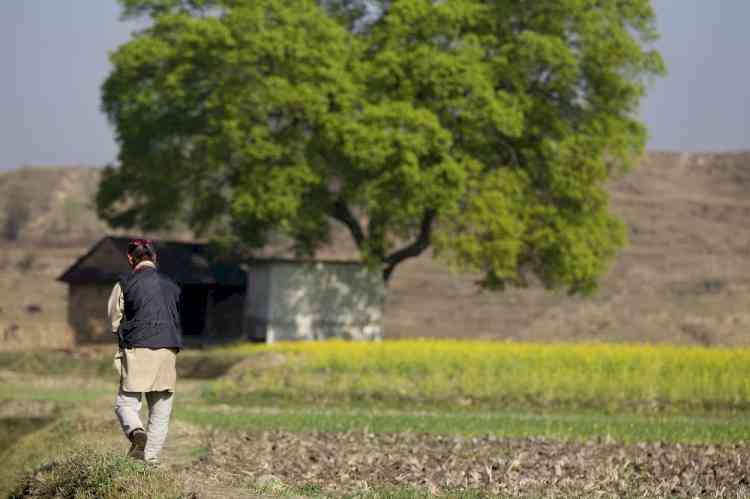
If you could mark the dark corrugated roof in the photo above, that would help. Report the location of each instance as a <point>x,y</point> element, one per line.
<point>339,249</point>
<point>186,263</point>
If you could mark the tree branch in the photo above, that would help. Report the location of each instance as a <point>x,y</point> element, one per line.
<point>416,248</point>
<point>343,214</point>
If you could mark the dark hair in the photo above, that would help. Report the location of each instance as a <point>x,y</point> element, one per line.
<point>141,250</point>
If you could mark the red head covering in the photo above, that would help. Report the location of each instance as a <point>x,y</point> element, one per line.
<point>140,242</point>
<point>141,249</point>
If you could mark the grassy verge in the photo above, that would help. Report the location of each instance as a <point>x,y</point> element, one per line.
<point>49,441</point>
<point>53,393</point>
<point>98,364</point>
<point>89,473</point>
<point>77,451</point>
<point>628,428</point>
<point>56,363</point>
<point>489,376</point>
<point>13,429</point>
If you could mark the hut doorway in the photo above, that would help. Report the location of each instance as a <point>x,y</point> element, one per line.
<point>193,301</point>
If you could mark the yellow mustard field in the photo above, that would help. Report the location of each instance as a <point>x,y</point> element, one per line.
<point>493,374</point>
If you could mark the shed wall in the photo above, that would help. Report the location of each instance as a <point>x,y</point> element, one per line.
<point>324,300</point>
<point>87,313</point>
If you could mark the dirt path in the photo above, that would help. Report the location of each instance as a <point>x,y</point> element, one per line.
<point>186,454</point>
<point>186,451</point>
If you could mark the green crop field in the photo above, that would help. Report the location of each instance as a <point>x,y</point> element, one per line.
<point>465,375</point>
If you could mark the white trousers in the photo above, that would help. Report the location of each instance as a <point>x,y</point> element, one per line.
<point>127,407</point>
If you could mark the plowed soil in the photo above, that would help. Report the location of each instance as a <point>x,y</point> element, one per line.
<point>346,463</point>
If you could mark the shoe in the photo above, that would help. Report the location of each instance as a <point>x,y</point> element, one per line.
<point>138,439</point>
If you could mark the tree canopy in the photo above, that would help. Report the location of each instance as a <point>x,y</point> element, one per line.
<point>483,128</point>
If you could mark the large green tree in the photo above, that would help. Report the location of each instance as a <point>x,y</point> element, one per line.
<point>483,128</point>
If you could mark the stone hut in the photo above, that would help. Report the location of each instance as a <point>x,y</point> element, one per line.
<point>263,299</point>
<point>213,292</point>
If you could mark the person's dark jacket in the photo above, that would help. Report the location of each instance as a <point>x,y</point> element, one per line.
<point>151,317</point>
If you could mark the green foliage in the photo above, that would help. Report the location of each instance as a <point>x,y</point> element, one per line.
<point>486,128</point>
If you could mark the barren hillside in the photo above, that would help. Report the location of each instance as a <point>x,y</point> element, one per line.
<point>52,205</point>
<point>683,278</point>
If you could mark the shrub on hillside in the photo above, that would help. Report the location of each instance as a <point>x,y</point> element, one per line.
<point>88,473</point>
<point>17,214</point>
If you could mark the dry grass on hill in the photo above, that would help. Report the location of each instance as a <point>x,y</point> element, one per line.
<point>683,278</point>
<point>57,204</point>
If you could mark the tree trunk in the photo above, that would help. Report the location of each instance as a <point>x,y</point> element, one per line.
<point>341,212</point>
<point>416,248</point>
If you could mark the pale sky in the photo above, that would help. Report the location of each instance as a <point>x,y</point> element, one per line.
<point>53,58</point>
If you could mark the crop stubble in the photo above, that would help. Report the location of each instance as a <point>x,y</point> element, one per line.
<point>340,463</point>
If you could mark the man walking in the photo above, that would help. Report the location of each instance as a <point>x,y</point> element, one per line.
<point>144,311</point>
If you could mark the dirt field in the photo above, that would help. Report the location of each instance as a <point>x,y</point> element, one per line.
<point>223,464</point>
<point>351,462</point>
